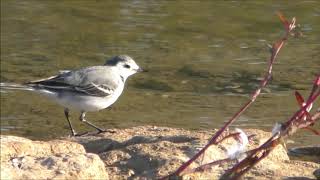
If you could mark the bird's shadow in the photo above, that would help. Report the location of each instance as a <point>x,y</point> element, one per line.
<point>143,164</point>
<point>97,145</point>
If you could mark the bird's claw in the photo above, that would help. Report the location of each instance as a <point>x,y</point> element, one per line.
<point>78,135</point>
<point>86,133</point>
<point>103,131</point>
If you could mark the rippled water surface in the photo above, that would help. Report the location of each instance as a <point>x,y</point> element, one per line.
<point>204,59</point>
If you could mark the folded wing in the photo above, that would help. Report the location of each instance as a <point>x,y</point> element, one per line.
<point>94,81</point>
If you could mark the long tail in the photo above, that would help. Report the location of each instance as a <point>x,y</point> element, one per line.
<point>14,86</point>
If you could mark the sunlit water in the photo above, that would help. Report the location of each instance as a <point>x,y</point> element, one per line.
<point>204,59</point>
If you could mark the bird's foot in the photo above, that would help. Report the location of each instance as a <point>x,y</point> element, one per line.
<point>103,131</point>
<point>78,135</point>
<point>91,133</point>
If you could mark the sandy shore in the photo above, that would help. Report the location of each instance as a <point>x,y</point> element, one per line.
<point>136,153</point>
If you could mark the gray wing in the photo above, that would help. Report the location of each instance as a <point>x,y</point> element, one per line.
<point>96,81</point>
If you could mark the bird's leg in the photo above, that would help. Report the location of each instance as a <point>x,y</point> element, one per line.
<point>66,113</point>
<point>82,118</point>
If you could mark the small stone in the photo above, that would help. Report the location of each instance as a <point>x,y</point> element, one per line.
<point>316,173</point>
<point>122,162</point>
<point>130,172</point>
<point>165,96</point>
<point>184,82</point>
<point>60,171</point>
<point>17,162</point>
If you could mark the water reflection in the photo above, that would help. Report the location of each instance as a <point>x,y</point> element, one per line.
<point>204,59</point>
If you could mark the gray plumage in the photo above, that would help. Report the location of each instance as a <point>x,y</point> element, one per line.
<point>97,81</point>
<point>87,89</point>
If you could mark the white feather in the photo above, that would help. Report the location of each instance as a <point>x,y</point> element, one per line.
<point>276,129</point>
<point>237,151</point>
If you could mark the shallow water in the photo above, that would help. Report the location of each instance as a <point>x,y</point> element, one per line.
<point>204,59</point>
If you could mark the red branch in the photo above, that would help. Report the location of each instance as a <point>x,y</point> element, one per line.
<point>232,135</point>
<point>256,155</point>
<point>207,166</point>
<point>289,26</point>
<point>314,131</point>
<point>294,123</point>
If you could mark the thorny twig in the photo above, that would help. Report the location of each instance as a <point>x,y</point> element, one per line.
<point>207,166</point>
<point>296,122</point>
<point>289,26</point>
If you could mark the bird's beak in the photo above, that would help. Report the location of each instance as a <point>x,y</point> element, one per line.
<point>141,70</point>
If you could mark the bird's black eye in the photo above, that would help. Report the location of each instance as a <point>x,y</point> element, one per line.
<point>126,66</point>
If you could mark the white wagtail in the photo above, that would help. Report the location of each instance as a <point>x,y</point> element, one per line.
<point>88,89</point>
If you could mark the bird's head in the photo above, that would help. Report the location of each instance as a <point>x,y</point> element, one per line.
<point>125,64</point>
